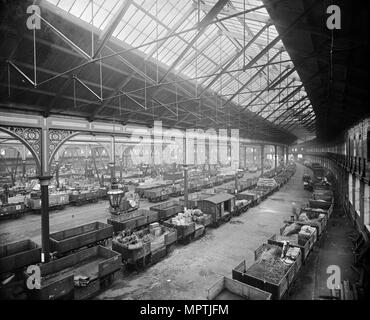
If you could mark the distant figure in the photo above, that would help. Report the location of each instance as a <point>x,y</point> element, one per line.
<point>294,209</point>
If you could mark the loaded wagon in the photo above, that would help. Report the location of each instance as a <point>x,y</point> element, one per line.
<point>78,276</point>
<point>269,273</point>
<point>167,209</point>
<point>146,246</point>
<point>303,237</point>
<point>177,190</point>
<point>81,197</point>
<point>13,210</point>
<point>140,190</point>
<point>229,289</point>
<point>220,207</point>
<point>134,220</point>
<point>69,240</point>
<point>246,184</point>
<point>254,196</point>
<point>190,225</point>
<point>56,201</point>
<point>322,204</point>
<point>315,213</point>
<point>241,206</point>
<point>319,223</point>
<point>158,194</point>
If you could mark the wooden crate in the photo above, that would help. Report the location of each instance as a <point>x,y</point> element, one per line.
<point>17,255</point>
<point>71,239</point>
<point>229,289</point>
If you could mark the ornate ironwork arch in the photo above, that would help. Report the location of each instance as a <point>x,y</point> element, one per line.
<point>29,137</point>
<point>57,137</point>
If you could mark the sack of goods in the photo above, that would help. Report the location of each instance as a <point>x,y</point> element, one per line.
<point>133,240</point>
<point>241,203</point>
<point>305,234</point>
<point>291,229</point>
<point>265,182</point>
<point>188,217</point>
<point>81,281</point>
<point>293,253</point>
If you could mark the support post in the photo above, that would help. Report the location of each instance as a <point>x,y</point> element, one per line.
<point>57,172</point>
<point>262,158</point>
<point>24,168</point>
<point>45,232</point>
<point>286,155</point>
<point>275,149</point>
<point>186,194</point>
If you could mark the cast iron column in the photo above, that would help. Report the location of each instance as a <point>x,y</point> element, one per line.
<point>275,149</point>
<point>262,158</point>
<point>45,232</point>
<point>57,173</point>
<point>186,197</point>
<point>23,168</point>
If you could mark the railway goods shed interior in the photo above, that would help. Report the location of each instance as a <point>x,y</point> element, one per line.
<point>193,149</point>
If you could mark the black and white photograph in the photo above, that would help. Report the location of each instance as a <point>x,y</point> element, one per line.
<point>181,156</point>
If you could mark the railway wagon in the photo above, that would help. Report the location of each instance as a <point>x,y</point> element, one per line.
<point>167,209</point>
<point>69,240</point>
<point>220,207</point>
<point>78,276</point>
<point>17,255</point>
<point>270,275</point>
<point>229,289</point>
<point>56,201</point>
<point>158,194</point>
<point>144,247</point>
<point>136,220</point>
<point>12,210</point>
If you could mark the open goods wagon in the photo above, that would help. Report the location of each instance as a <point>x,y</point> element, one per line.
<point>78,276</point>
<point>273,275</point>
<point>56,201</point>
<point>14,259</point>
<point>13,210</point>
<point>158,194</point>
<point>82,197</point>
<point>296,238</point>
<point>253,195</point>
<point>134,220</point>
<point>69,240</point>
<point>144,247</point>
<point>17,255</point>
<point>229,289</point>
<point>167,209</point>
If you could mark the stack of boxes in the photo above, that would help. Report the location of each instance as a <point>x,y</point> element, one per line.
<point>155,229</point>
